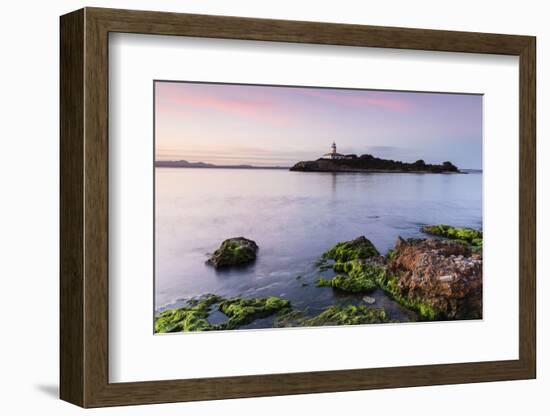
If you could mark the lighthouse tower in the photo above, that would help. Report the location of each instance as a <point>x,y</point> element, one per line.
<point>333,154</point>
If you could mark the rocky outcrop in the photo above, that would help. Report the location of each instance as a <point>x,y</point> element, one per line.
<point>443,275</point>
<point>237,311</point>
<point>359,248</point>
<point>234,252</point>
<point>369,163</point>
<point>358,264</point>
<point>438,279</point>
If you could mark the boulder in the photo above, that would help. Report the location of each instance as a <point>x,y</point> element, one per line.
<point>234,252</point>
<point>360,248</point>
<point>443,274</point>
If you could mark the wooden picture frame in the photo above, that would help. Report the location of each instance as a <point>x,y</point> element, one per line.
<point>84,207</point>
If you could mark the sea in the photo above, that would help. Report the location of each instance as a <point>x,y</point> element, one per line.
<point>293,217</point>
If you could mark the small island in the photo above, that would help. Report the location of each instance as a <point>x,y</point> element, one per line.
<point>337,162</point>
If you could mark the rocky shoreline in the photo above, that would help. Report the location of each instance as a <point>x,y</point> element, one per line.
<point>438,278</point>
<point>371,164</point>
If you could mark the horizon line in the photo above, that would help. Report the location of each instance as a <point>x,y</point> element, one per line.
<point>244,165</point>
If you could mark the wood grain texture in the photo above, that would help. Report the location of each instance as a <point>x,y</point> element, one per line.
<point>96,208</point>
<point>71,208</point>
<point>84,207</point>
<point>527,208</point>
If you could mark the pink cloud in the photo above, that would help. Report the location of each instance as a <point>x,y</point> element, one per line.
<point>279,106</point>
<point>367,99</point>
<point>182,100</point>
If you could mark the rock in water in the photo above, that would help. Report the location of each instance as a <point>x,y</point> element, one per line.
<point>234,252</point>
<point>445,275</point>
<point>358,263</point>
<point>360,248</point>
<point>468,236</point>
<point>369,300</point>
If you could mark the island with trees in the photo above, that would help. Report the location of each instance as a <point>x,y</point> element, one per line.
<point>337,162</point>
<point>369,163</point>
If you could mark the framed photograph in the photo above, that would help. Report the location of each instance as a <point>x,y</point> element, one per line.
<point>255,207</point>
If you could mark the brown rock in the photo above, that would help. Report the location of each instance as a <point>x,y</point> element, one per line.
<point>444,274</point>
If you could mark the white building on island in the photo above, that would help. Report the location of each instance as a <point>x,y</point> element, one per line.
<point>333,154</point>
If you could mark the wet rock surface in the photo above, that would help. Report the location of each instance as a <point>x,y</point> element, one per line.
<point>467,236</point>
<point>445,275</point>
<point>334,316</point>
<point>230,313</point>
<point>358,264</point>
<point>235,251</point>
<point>431,278</point>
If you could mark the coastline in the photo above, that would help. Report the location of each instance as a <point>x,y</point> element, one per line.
<point>377,171</point>
<point>460,172</point>
<point>343,164</point>
<point>450,289</point>
<point>371,164</point>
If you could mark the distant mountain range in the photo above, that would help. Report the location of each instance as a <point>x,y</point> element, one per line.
<point>187,164</point>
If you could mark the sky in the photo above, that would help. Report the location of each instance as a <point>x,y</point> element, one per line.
<point>235,124</point>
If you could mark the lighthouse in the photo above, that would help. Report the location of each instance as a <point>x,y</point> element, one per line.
<point>333,154</point>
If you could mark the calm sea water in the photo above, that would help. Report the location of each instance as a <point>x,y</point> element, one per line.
<point>294,217</point>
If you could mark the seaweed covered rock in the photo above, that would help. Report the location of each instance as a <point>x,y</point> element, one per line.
<point>360,276</point>
<point>360,248</point>
<point>468,236</point>
<point>442,279</point>
<point>190,318</point>
<point>244,311</point>
<point>334,315</point>
<point>239,311</point>
<point>234,252</point>
<point>348,315</point>
<point>358,264</point>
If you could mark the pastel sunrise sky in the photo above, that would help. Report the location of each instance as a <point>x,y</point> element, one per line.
<point>279,126</point>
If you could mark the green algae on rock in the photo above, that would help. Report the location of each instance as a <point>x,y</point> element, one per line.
<point>360,248</point>
<point>352,263</point>
<point>360,277</point>
<point>348,315</point>
<point>453,264</point>
<point>244,311</point>
<point>333,316</point>
<point>425,311</point>
<point>194,317</point>
<point>190,318</point>
<point>234,252</point>
<point>467,235</point>
<point>438,278</point>
<point>441,279</point>
<point>288,318</point>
